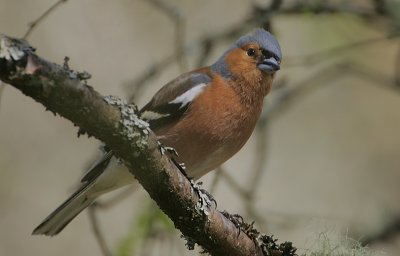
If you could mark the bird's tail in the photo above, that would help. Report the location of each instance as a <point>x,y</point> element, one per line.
<point>65,213</point>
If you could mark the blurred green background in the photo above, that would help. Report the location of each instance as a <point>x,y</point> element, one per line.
<point>325,157</point>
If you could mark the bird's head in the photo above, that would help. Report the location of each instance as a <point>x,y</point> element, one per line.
<point>257,53</point>
<point>259,48</point>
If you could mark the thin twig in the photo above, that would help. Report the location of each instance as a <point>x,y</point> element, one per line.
<point>318,7</point>
<point>318,56</point>
<point>94,223</point>
<point>136,86</point>
<point>234,185</point>
<point>259,166</point>
<point>124,194</point>
<point>32,25</point>
<point>102,205</point>
<point>291,93</point>
<point>178,18</point>
<point>372,75</point>
<point>380,6</point>
<point>206,48</point>
<point>2,87</point>
<point>180,44</point>
<point>253,213</point>
<point>216,179</point>
<point>390,230</point>
<point>397,69</point>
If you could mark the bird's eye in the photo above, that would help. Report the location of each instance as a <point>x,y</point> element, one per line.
<point>251,52</point>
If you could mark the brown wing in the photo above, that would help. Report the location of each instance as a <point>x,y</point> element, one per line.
<point>173,99</point>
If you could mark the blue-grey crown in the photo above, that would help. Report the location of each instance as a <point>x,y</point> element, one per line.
<point>260,36</point>
<point>263,38</point>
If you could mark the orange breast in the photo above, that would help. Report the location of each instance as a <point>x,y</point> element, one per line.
<point>215,127</point>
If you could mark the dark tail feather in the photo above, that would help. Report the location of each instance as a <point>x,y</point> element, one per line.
<point>65,213</point>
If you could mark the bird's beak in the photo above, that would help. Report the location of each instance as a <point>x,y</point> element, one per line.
<point>269,65</point>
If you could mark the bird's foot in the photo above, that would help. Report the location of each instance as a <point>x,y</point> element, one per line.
<point>268,244</point>
<point>167,150</point>
<point>181,167</point>
<point>206,200</point>
<point>239,223</point>
<point>172,153</point>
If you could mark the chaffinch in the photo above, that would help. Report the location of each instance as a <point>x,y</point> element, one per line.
<point>207,115</point>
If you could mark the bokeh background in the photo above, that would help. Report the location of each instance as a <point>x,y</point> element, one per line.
<point>324,159</point>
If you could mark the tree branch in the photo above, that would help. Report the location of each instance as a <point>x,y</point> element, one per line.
<point>112,121</point>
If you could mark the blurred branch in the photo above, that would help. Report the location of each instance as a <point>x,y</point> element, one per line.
<point>2,86</point>
<point>102,205</point>
<point>233,184</point>
<point>260,16</point>
<point>206,47</point>
<point>112,121</point>
<point>149,227</point>
<point>246,194</point>
<point>136,86</point>
<point>262,151</point>
<point>319,7</point>
<point>390,230</point>
<point>318,56</point>
<point>178,19</point>
<point>32,25</point>
<point>380,6</point>
<point>118,198</point>
<point>372,75</point>
<point>397,68</point>
<point>94,223</point>
<point>216,179</point>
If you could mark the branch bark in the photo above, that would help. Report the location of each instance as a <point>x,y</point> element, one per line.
<point>112,121</point>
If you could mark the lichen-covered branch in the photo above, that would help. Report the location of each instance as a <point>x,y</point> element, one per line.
<point>112,121</point>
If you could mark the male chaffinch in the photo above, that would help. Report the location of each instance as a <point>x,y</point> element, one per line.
<point>207,115</point>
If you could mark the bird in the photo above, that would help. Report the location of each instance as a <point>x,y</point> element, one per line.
<point>206,115</point>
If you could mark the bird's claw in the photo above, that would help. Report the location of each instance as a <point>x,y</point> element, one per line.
<point>182,166</point>
<point>164,150</point>
<point>237,220</point>
<point>171,150</point>
<point>206,200</point>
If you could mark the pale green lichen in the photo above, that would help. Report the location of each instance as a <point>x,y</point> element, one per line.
<point>130,121</point>
<point>82,76</point>
<point>13,49</point>
<point>334,244</point>
<point>72,74</point>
